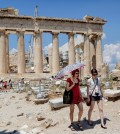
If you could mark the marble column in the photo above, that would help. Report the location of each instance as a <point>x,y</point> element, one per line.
<point>92,53</point>
<point>7,52</point>
<point>71,48</point>
<point>99,59</point>
<point>21,52</point>
<point>50,58</point>
<point>55,54</point>
<point>86,55</point>
<point>77,56</point>
<point>2,53</point>
<point>38,55</point>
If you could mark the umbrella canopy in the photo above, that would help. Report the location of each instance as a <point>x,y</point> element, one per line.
<point>69,69</point>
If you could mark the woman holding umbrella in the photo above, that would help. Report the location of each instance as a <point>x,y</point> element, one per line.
<point>73,84</point>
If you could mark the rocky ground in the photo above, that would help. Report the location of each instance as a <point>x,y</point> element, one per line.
<point>18,116</point>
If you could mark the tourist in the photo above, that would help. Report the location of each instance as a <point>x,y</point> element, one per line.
<point>94,89</point>
<point>73,84</point>
<point>5,85</point>
<point>22,81</point>
<point>10,84</point>
<point>1,85</point>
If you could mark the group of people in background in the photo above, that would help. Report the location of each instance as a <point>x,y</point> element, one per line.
<point>93,89</point>
<point>5,85</point>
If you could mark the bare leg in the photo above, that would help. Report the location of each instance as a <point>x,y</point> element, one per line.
<point>71,112</point>
<point>80,113</point>
<point>90,110</point>
<point>100,107</point>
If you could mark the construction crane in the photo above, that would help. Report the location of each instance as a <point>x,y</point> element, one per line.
<point>36,11</point>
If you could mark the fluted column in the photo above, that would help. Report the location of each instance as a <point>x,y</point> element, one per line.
<point>50,58</point>
<point>77,57</point>
<point>99,59</point>
<point>2,53</point>
<point>21,53</point>
<point>7,53</point>
<point>86,55</point>
<point>92,53</point>
<point>38,55</point>
<point>55,54</point>
<point>71,48</point>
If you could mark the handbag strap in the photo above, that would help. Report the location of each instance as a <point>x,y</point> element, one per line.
<point>94,86</point>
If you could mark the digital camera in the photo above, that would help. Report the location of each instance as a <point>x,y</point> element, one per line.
<point>96,93</point>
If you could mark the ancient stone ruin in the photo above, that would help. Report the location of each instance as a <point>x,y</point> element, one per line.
<point>89,27</point>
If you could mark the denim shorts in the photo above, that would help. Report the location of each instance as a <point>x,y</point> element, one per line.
<point>96,98</point>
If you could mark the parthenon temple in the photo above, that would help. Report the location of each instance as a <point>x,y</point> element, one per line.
<point>91,28</point>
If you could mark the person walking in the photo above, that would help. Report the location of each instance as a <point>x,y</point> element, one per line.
<point>94,89</point>
<point>73,84</point>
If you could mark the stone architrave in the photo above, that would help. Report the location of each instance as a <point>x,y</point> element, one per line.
<point>21,53</point>
<point>71,48</point>
<point>38,55</point>
<point>50,58</point>
<point>2,53</point>
<point>7,52</point>
<point>86,55</point>
<point>55,53</point>
<point>99,59</point>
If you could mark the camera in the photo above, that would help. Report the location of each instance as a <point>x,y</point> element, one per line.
<point>96,93</point>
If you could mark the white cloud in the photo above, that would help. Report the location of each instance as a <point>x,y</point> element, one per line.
<point>45,49</point>
<point>77,40</point>
<point>103,36</point>
<point>13,51</point>
<point>111,54</point>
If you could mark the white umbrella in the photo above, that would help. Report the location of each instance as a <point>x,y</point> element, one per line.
<point>69,69</point>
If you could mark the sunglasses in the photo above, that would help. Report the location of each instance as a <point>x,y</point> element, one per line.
<point>76,73</point>
<point>94,74</point>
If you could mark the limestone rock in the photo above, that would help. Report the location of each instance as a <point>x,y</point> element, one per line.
<point>41,101</point>
<point>21,114</point>
<point>39,117</point>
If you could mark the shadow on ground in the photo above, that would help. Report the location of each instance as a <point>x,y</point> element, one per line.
<point>86,126</point>
<point>6,132</point>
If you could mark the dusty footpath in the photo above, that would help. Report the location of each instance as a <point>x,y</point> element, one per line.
<point>18,116</point>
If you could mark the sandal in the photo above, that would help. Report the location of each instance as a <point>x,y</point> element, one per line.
<point>90,123</point>
<point>103,126</point>
<point>72,127</point>
<point>80,126</point>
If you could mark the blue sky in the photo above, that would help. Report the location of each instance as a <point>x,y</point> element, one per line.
<point>107,9</point>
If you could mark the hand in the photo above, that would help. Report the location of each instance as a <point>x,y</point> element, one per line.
<point>88,99</point>
<point>73,84</point>
<point>83,99</point>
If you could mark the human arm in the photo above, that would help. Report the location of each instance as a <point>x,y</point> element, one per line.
<point>88,87</point>
<point>68,86</point>
<point>81,96</point>
<point>100,86</point>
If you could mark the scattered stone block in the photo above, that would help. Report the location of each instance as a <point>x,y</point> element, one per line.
<point>21,114</point>
<point>41,101</point>
<point>40,117</point>
<point>112,94</point>
<point>57,103</point>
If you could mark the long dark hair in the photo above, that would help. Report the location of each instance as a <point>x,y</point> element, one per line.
<point>94,71</point>
<point>74,71</point>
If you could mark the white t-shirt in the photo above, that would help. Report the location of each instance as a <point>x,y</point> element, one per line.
<point>91,84</point>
